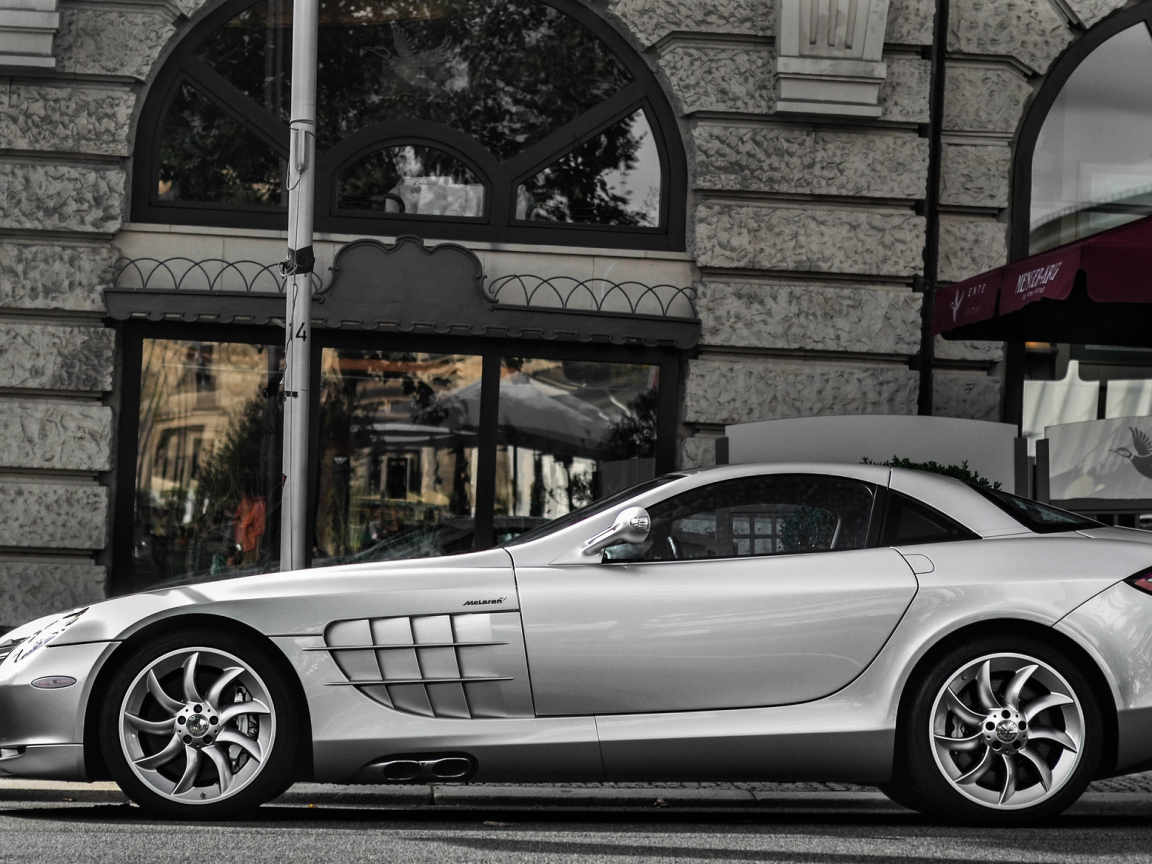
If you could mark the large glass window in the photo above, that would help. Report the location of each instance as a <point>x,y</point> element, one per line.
<point>530,92</point>
<point>397,455</point>
<point>572,432</point>
<point>1092,167</point>
<point>208,461</point>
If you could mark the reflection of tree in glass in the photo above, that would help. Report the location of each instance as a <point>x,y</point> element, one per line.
<point>633,436</point>
<point>576,189</point>
<point>807,529</point>
<point>205,155</point>
<point>506,72</point>
<point>240,465</point>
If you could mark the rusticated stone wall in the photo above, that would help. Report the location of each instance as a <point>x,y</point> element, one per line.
<point>744,391</point>
<point>32,589</point>
<point>66,139</point>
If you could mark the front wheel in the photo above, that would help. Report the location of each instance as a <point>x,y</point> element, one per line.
<point>1001,731</point>
<point>200,726</point>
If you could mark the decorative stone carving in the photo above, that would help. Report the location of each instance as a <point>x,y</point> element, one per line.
<point>968,351</point>
<point>727,391</point>
<point>73,119</point>
<point>968,248</point>
<point>53,516</point>
<point>823,241</point>
<point>1029,30</point>
<point>829,56</point>
<point>807,161</point>
<point>649,21</point>
<point>58,435</point>
<point>975,176</point>
<point>112,42</point>
<point>1092,11</point>
<point>697,452</point>
<point>719,79</point>
<point>68,278</point>
<point>53,197</point>
<point>969,397</point>
<point>910,22</point>
<point>27,28</point>
<point>984,99</point>
<point>46,357</point>
<point>811,317</point>
<point>33,589</point>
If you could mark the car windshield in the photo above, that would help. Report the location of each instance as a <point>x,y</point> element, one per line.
<point>1036,517</point>
<point>590,510</point>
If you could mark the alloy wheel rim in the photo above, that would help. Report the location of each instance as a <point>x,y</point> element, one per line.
<point>197,725</point>
<point>1007,731</point>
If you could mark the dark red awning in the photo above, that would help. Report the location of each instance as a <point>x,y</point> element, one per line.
<point>1114,267</point>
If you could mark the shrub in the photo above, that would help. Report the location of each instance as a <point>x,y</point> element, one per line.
<point>960,472</point>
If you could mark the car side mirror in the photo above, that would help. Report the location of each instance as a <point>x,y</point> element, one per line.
<point>631,526</point>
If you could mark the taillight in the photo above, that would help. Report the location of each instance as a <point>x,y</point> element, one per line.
<point>1141,580</point>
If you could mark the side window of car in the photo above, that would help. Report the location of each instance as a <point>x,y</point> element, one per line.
<point>775,514</point>
<point>910,523</point>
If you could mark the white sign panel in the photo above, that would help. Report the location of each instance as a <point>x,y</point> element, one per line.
<point>986,447</point>
<point>1107,459</point>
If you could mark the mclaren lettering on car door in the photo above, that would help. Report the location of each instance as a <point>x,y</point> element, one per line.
<point>748,592</point>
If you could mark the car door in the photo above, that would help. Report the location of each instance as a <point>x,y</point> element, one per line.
<point>753,591</point>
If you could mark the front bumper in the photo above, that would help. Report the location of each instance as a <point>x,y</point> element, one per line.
<point>42,731</point>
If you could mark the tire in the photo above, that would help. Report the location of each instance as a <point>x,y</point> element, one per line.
<point>214,747</point>
<point>1027,728</point>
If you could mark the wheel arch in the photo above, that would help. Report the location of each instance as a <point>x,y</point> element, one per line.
<point>94,764</point>
<point>1017,627</point>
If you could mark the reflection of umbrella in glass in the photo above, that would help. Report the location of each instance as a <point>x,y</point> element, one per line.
<point>536,415</point>
<point>419,435</point>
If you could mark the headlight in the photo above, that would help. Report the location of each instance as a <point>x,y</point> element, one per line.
<point>45,635</point>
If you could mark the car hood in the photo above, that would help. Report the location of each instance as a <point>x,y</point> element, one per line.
<point>303,602</point>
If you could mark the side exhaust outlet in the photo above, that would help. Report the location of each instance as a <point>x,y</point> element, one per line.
<point>422,769</point>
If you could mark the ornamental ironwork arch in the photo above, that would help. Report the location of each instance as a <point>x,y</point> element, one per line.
<point>507,182</point>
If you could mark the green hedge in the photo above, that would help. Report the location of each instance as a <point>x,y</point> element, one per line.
<point>960,472</point>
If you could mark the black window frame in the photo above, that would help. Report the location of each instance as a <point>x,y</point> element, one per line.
<point>133,333</point>
<point>500,226</point>
<point>1016,363</point>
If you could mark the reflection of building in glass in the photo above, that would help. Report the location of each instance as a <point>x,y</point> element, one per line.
<point>208,459</point>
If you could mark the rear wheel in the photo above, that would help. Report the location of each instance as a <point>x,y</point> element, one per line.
<point>1001,731</point>
<point>200,726</point>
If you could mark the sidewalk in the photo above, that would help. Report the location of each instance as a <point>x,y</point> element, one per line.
<point>738,796</point>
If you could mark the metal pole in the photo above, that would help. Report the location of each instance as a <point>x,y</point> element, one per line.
<point>298,289</point>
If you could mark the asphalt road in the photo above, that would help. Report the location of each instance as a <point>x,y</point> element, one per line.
<point>39,825</point>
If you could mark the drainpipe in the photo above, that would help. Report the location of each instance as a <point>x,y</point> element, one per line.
<point>298,288</point>
<point>930,207</point>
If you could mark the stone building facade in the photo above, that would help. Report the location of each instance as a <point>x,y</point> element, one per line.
<point>805,233</point>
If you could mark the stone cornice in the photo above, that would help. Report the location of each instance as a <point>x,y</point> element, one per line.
<point>27,28</point>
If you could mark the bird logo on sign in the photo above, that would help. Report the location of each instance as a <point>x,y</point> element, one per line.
<point>1141,459</point>
<point>415,67</point>
<point>957,302</point>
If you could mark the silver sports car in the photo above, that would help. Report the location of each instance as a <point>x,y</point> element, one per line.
<point>974,654</point>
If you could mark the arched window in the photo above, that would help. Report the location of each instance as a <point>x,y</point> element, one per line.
<point>506,120</point>
<point>1092,162</point>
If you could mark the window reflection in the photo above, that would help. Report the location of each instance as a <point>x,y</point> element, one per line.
<point>411,180</point>
<point>614,179</point>
<point>206,156</point>
<point>507,72</point>
<point>572,432</point>
<point>397,455</point>
<point>1092,167</point>
<point>208,461</point>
